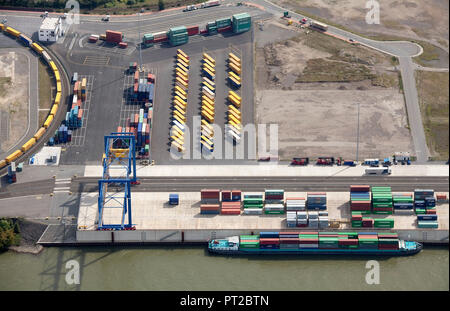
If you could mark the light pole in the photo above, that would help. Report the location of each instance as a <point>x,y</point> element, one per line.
<point>140,43</point>
<point>357,137</point>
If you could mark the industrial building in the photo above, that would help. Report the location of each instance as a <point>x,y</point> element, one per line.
<point>50,29</point>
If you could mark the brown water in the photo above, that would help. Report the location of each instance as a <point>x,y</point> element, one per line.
<point>191,268</point>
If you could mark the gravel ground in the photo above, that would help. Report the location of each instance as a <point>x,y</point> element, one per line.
<point>30,232</point>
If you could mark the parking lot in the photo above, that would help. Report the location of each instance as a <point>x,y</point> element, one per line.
<point>218,48</point>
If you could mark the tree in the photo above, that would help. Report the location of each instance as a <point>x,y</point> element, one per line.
<point>161,5</point>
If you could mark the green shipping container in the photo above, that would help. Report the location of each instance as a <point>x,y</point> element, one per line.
<point>177,30</point>
<point>223,22</point>
<point>249,237</point>
<point>241,22</point>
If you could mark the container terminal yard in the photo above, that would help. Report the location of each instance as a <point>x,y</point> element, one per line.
<point>132,91</point>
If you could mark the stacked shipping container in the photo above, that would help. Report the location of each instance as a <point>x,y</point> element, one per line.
<point>274,202</point>
<point>317,201</point>
<point>382,201</point>
<point>210,201</point>
<point>425,208</point>
<point>360,199</point>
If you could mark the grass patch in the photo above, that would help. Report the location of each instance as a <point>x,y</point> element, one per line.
<point>323,70</point>
<point>5,82</point>
<point>385,80</point>
<point>46,84</point>
<point>433,93</point>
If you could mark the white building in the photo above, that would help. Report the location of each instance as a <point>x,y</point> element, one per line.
<point>50,29</point>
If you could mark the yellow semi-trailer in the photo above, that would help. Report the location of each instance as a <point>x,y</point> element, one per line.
<point>234,124</point>
<point>181,85</point>
<point>207,62</point>
<point>231,74</point>
<point>3,162</point>
<point>235,68</point>
<point>180,110</point>
<point>53,66</point>
<point>177,140</point>
<point>177,103</point>
<point>37,48</point>
<point>178,146</point>
<point>57,76</point>
<point>209,81</point>
<point>234,57</point>
<point>211,69</point>
<point>235,95</point>
<point>182,76</point>
<point>235,120</point>
<point>207,146</point>
<point>48,121</point>
<point>28,145</point>
<point>175,130</point>
<point>39,133</point>
<point>13,156</point>
<point>182,72</point>
<point>235,110</point>
<point>234,101</point>
<point>181,58</point>
<point>179,115</point>
<point>206,91</point>
<point>207,99</point>
<point>234,62</point>
<point>58,98</point>
<point>205,123</point>
<point>206,56</point>
<point>207,129</point>
<point>234,114</point>
<point>58,87</point>
<point>180,90</point>
<point>13,32</point>
<point>179,136</point>
<point>179,51</point>
<point>209,111</point>
<point>207,116</point>
<point>183,66</point>
<point>209,86</point>
<point>180,101</point>
<point>54,110</point>
<point>207,134</point>
<point>207,105</point>
<point>183,97</point>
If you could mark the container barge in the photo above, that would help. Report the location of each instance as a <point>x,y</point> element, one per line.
<point>315,243</point>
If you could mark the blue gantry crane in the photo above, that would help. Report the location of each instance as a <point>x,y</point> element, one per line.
<point>120,155</point>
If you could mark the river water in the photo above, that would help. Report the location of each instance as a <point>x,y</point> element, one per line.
<point>191,268</point>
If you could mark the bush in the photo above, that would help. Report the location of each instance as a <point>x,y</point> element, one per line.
<point>8,233</point>
<point>161,5</point>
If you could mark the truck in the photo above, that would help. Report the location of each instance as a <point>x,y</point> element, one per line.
<point>402,157</point>
<point>190,8</point>
<point>300,161</point>
<point>325,161</point>
<point>378,171</point>
<point>209,4</point>
<point>318,25</point>
<point>349,163</point>
<point>372,162</point>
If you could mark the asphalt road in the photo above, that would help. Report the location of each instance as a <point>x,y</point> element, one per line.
<point>190,184</point>
<point>413,109</point>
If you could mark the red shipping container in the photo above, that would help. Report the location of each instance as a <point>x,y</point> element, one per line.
<point>316,193</point>
<point>224,29</point>
<point>357,217</point>
<point>113,36</point>
<point>441,196</point>
<point>302,225</point>
<point>226,194</point>
<point>204,31</point>
<point>192,30</point>
<point>231,212</point>
<point>123,45</point>
<point>93,39</point>
<point>136,119</point>
<point>150,114</point>
<point>348,242</point>
<point>80,113</point>
<point>160,39</point>
<point>289,240</point>
<point>431,211</point>
<point>309,232</point>
<point>136,76</point>
<point>79,102</point>
<point>359,188</point>
<point>75,87</point>
<point>269,241</point>
<point>119,129</point>
<point>297,198</point>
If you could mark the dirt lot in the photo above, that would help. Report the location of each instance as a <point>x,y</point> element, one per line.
<point>432,88</point>
<point>412,18</point>
<point>14,72</point>
<point>314,57</point>
<point>314,123</point>
<point>311,85</point>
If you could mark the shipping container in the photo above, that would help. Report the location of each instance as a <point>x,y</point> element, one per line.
<point>48,121</point>
<point>13,32</point>
<point>37,48</point>
<point>13,156</point>
<point>113,36</point>
<point>25,40</point>
<point>28,145</point>
<point>192,30</point>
